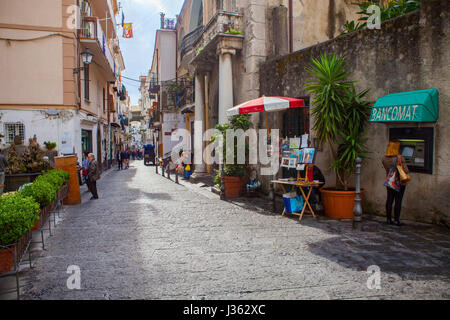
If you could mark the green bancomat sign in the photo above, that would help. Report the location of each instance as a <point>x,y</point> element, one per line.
<point>412,106</point>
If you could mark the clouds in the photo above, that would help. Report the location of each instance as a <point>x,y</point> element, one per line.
<point>157,4</point>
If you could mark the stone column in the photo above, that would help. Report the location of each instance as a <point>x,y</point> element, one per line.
<point>199,124</point>
<point>225,83</point>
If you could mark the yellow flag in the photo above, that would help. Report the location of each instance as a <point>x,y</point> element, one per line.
<point>128,30</point>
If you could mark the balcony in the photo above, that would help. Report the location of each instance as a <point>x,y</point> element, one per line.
<point>176,94</point>
<point>92,36</point>
<point>188,41</point>
<point>101,8</point>
<point>224,26</point>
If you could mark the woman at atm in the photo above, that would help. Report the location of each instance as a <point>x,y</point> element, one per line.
<point>390,161</point>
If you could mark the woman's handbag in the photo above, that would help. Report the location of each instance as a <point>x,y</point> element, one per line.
<point>392,180</point>
<point>404,177</point>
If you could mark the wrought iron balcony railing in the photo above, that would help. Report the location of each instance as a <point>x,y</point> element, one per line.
<point>222,23</point>
<point>189,40</point>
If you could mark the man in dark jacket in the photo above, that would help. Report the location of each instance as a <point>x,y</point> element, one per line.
<point>93,175</point>
<point>119,158</point>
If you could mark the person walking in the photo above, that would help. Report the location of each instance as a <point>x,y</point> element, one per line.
<point>390,161</point>
<point>93,175</point>
<point>127,158</point>
<point>119,160</point>
<point>3,165</point>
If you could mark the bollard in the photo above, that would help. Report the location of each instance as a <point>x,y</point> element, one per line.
<point>357,209</point>
<point>156,166</point>
<point>222,184</point>
<point>272,196</point>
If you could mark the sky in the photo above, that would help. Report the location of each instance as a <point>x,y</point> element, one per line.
<point>138,51</point>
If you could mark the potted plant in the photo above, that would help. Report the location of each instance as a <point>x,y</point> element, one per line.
<point>44,193</point>
<point>17,216</point>
<point>336,102</point>
<point>234,174</point>
<point>50,145</point>
<point>24,168</point>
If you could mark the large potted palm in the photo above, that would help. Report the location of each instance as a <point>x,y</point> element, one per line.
<point>340,116</point>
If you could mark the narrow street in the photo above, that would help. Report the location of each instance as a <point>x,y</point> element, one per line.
<point>149,238</point>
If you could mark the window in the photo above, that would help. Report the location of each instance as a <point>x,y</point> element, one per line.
<point>86,9</point>
<point>86,81</point>
<point>416,146</point>
<point>86,140</point>
<point>14,129</point>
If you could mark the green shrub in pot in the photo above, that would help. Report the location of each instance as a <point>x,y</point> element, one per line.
<point>41,190</point>
<point>55,177</point>
<point>17,216</point>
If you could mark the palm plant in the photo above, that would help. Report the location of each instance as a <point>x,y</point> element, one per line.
<point>340,114</point>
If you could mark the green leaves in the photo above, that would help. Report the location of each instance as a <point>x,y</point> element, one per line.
<point>329,89</point>
<point>340,112</point>
<point>17,216</point>
<point>20,210</point>
<point>241,121</point>
<point>392,9</point>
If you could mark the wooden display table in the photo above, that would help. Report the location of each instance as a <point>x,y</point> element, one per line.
<point>300,184</point>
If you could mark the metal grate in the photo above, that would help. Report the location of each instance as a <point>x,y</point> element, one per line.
<point>14,129</point>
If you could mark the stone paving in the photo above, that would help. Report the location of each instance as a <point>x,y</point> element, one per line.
<point>149,238</point>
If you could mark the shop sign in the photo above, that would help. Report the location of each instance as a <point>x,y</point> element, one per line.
<point>395,113</point>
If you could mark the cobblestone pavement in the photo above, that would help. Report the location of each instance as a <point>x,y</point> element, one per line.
<point>149,238</point>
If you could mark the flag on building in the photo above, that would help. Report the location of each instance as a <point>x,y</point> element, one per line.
<point>128,30</point>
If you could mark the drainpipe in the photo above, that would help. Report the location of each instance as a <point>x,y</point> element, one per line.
<point>176,49</point>
<point>291,40</point>
<point>78,64</point>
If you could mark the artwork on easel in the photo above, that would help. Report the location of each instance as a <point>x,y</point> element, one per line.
<point>308,155</point>
<point>285,145</point>
<point>294,143</point>
<point>292,163</point>
<point>285,162</point>
<point>305,140</point>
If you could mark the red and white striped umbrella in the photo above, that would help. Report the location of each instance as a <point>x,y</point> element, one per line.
<point>267,104</point>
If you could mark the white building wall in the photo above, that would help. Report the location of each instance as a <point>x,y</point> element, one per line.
<point>173,121</point>
<point>62,128</point>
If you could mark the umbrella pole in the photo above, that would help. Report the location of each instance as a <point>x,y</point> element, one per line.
<point>267,124</point>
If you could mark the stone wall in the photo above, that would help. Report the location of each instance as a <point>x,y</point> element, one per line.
<point>411,52</point>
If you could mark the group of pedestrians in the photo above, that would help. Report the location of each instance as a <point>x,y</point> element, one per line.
<point>123,157</point>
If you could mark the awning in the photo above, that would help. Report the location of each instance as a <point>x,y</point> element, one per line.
<point>412,106</point>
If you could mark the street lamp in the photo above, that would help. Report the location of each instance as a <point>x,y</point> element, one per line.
<point>86,57</point>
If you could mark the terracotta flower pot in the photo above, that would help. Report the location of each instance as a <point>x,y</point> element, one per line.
<point>233,187</point>
<point>6,259</point>
<point>339,204</point>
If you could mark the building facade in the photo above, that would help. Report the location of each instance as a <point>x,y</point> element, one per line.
<point>47,90</point>
<point>221,44</point>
